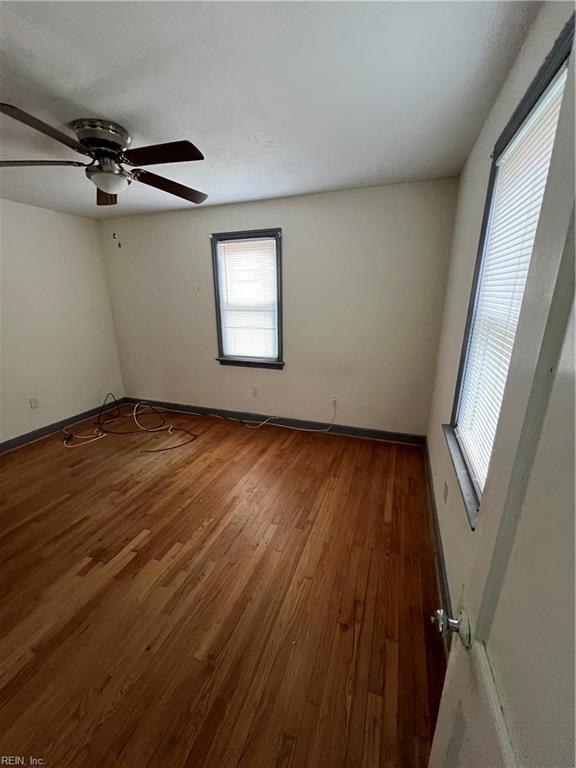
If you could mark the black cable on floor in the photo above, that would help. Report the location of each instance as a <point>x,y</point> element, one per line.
<point>111,412</point>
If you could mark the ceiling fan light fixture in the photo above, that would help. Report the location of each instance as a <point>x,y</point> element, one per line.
<point>108,176</point>
<point>109,182</point>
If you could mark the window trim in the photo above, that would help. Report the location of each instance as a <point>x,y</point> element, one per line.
<point>553,63</point>
<point>249,234</point>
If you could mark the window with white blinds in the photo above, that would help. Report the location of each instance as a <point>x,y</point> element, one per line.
<point>246,280</point>
<point>521,173</point>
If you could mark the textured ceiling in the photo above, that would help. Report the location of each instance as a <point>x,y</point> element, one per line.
<point>282,98</point>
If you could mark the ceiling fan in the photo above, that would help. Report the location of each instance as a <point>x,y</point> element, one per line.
<point>106,144</point>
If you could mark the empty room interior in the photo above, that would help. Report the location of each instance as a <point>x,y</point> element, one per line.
<point>287,384</point>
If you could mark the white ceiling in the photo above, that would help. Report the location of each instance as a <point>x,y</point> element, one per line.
<point>282,98</point>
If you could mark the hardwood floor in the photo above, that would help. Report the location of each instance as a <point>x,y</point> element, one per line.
<point>258,598</point>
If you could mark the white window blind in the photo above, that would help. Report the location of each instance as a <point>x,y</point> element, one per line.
<point>522,170</point>
<point>248,297</point>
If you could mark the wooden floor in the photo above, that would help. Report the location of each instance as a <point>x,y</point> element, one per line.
<point>259,598</point>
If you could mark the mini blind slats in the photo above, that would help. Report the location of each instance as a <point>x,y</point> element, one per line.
<point>522,170</point>
<point>247,285</point>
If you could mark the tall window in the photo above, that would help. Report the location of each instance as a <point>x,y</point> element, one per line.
<point>519,174</point>
<point>247,286</point>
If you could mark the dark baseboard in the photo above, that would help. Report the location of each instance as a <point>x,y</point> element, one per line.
<point>49,429</point>
<point>337,429</point>
<point>442,575</point>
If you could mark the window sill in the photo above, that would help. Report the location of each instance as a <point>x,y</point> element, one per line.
<point>251,362</point>
<point>469,495</point>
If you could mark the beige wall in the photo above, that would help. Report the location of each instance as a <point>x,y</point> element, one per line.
<point>459,541</point>
<point>57,340</point>
<point>364,273</point>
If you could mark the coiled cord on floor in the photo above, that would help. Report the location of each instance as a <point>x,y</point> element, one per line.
<point>111,412</point>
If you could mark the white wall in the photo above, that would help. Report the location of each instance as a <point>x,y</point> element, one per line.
<point>459,541</point>
<point>364,273</point>
<point>531,643</point>
<point>56,331</point>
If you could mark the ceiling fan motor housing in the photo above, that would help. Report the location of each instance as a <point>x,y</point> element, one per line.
<point>106,141</point>
<point>95,133</point>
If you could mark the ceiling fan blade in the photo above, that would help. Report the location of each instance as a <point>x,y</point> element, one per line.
<point>166,185</point>
<point>39,125</point>
<point>25,163</point>
<point>171,152</point>
<point>103,198</point>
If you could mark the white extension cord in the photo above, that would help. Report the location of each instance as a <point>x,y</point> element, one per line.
<point>245,423</point>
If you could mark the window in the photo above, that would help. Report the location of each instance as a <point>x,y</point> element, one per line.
<point>247,286</point>
<point>518,179</point>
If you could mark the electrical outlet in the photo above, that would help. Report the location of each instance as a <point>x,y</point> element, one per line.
<point>33,401</point>
<point>254,391</point>
<point>445,492</point>
<point>334,400</point>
